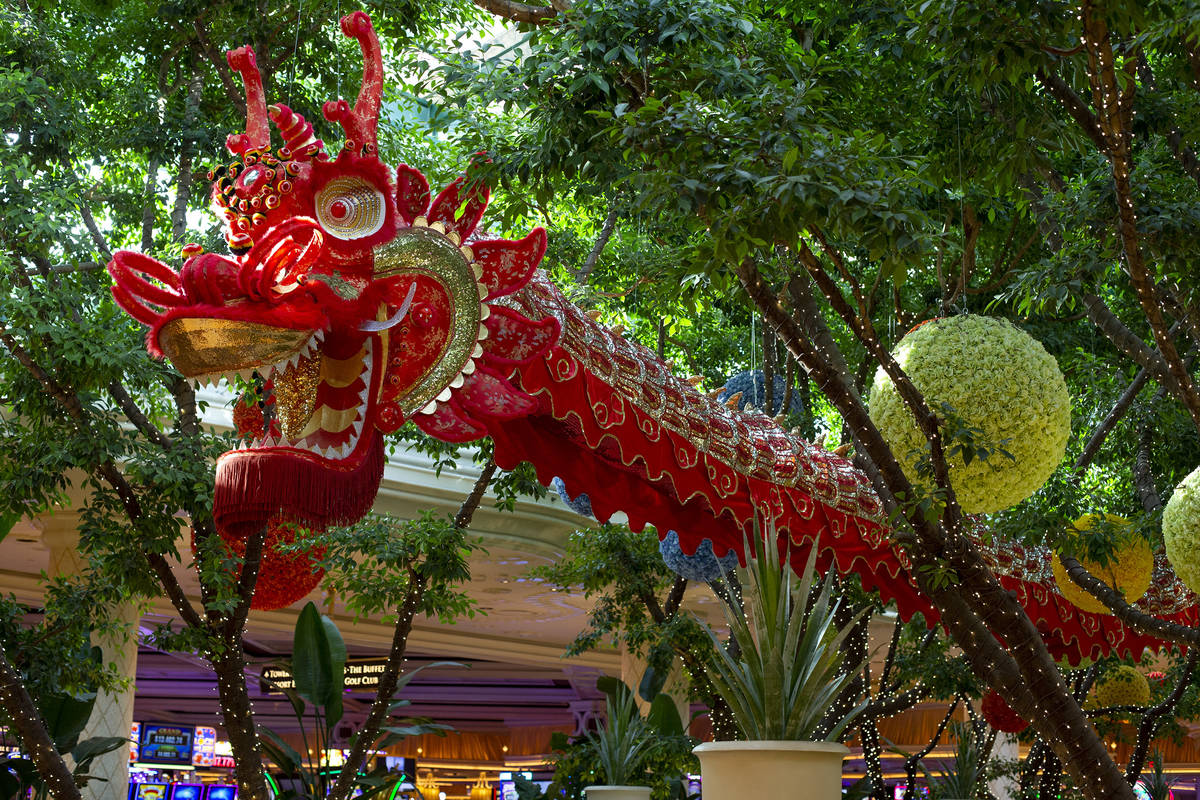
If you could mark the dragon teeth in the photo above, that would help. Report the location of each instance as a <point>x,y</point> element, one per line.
<point>458,381</point>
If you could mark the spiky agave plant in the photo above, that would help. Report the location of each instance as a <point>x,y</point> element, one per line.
<point>621,739</point>
<point>962,777</point>
<point>790,670</point>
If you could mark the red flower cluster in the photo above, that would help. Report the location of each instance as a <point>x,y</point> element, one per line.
<point>283,578</point>
<point>998,714</point>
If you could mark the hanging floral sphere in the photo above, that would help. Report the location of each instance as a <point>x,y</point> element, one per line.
<point>248,418</point>
<point>998,379</point>
<point>752,385</point>
<point>1122,686</point>
<point>703,565</point>
<point>1181,530</point>
<point>581,504</point>
<point>283,578</point>
<point>1000,716</point>
<point>1128,570</point>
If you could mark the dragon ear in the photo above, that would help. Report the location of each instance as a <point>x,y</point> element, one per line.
<point>360,123</point>
<point>412,193</point>
<point>258,132</point>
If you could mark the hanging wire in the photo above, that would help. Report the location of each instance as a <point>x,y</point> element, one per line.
<point>962,210</point>
<point>337,70</point>
<point>295,50</point>
<point>753,353</point>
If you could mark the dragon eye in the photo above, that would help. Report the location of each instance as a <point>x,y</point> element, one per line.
<point>350,208</point>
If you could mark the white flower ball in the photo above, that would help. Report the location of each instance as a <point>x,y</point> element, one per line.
<point>1181,530</point>
<point>998,379</point>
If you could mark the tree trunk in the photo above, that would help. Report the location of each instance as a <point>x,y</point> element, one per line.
<point>35,740</point>
<point>230,667</point>
<point>869,731</point>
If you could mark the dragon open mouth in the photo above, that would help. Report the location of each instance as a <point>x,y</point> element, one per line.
<point>316,401</point>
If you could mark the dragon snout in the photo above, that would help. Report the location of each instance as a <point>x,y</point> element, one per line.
<point>279,264</point>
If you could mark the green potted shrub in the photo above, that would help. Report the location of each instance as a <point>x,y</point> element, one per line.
<point>782,686</point>
<point>620,743</point>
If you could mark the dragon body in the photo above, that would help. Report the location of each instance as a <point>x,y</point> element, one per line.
<point>362,302</point>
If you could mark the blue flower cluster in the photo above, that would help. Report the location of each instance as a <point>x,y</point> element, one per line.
<point>581,505</point>
<point>703,565</point>
<point>752,385</point>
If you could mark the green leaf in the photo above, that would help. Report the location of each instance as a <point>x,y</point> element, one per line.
<point>65,717</point>
<point>88,749</point>
<point>663,717</point>
<point>337,657</point>
<point>282,753</point>
<point>312,657</point>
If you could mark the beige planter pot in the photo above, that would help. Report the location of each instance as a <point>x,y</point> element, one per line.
<point>616,792</point>
<point>776,770</point>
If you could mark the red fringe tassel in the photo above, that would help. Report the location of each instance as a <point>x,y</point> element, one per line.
<point>255,487</point>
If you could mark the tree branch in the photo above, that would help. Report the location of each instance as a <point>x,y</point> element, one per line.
<point>1128,342</point>
<point>364,742</point>
<point>675,597</point>
<point>220,64</point>
<point>1140,622</point>
<point>136,416</point>
<point>1143,475</point>
<point>1149,723</point>
<point>1096,440</point>
<point>174,591</point>
<point>911,761</point>
<point>251,562</point>
<point>606,232</point>
<point>520,12</point>
<point>1115,113</point>
<point>187,151</point>
<point>1074,105</point>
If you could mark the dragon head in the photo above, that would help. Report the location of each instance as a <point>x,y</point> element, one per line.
<point>353,301</point>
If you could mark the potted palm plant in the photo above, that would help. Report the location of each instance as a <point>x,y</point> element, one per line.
<point>782,685</point>
<point>619,744</point>
<point>962,778</point>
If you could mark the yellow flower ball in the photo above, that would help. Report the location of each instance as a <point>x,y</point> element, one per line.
<point>997,378</point>
<point>1122,686</point>
<point>1128,570</point>
<point>1181,530</point>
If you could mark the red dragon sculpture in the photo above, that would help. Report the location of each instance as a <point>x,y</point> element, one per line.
<point>361,304</point>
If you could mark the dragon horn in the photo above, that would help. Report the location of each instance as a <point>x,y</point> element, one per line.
<point>258,132</point>
<point>297,132</point>
<point>360,122</point>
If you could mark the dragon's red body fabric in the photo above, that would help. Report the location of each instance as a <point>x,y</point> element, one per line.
<point>361,304</point>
